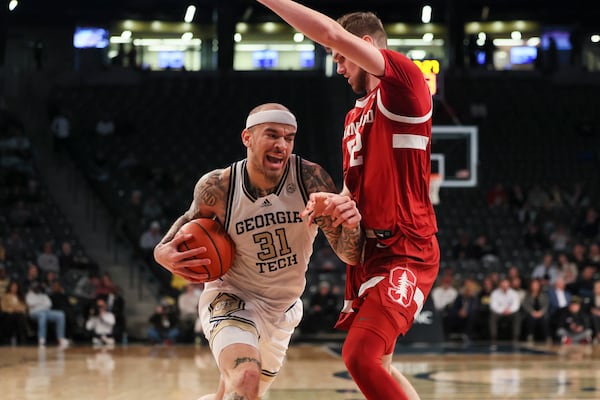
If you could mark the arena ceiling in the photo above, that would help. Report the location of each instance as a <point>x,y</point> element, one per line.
<point>45,12</point>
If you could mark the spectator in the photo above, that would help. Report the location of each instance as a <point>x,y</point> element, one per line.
<point>66,260</point>
<point>536,310</point>
<point>589,227</point>
<point>2,252</point>
<point>579,256</point>
<point>322,310</point>
<point>593,255</point>
<point>483,317</point>
<point>574,326</point>
<point>163,325</point>
<point>593,310</point>
<point>60,127</point>
<point>558,298</point>
<point>514,272</point>
<point>14,309</point>
<point>537,197</point>
<point>463,313</point>
<point>48,260</point>
<point>187,303</point>
<point>444,294</point>
<point>517,201</point>
<point>483,250</point>
<point>49,280</point>
<point>517,286</point>
<point>546,271</point>
<point>105,285</point>
<point>534,239</point>
<point>505,307</point>
<point>105,126</point>
<point>578,198</point>
<point>115,303</point>
<point>560,238</point>
<point>151,237</point>
<point>556,197</point>
<point>15,247</point>
<point>61,301</point>
<point>40,309</point>
<point>497,197</point>
<point>32,278</point>
<point>100,324</point>
<point>567,269</point>
<point>584,285</point>
<point>85,290</point>
<point>462,249</point>
<point>3,279</point>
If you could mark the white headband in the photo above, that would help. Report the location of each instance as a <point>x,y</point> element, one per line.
<point>276,116</point>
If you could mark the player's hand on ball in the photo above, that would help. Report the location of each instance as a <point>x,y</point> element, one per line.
<point>179,262</point>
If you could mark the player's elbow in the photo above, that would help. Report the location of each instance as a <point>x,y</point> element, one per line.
<point>350,259</point>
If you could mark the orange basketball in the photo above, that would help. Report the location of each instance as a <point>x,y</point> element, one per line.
<point>220,249</point>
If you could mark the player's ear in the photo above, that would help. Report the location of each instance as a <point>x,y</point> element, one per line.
<point>246,137</point>
<point>368,38</point>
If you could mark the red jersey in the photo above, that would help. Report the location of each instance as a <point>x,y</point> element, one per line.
<point>387,151</point>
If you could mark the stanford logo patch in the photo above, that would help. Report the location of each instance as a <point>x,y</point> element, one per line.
<point>403,284</point>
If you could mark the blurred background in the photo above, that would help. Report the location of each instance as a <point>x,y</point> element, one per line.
<point>111,110</point>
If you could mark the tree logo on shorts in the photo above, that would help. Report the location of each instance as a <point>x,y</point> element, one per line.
<point>403,284</point>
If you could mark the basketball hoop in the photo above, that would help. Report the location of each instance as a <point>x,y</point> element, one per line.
<point>435,181</point>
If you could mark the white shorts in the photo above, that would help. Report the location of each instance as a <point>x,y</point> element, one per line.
<point>268,332</point>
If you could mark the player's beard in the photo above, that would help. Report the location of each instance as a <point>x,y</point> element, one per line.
<point>359,86</point>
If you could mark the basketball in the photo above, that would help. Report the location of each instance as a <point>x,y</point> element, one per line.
<point>220,249</point>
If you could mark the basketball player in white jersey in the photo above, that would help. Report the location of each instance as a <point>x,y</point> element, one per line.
<point>250,313</point>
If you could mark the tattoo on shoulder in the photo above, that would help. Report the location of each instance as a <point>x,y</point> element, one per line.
<point>213,188</point>
<point>316,179</point>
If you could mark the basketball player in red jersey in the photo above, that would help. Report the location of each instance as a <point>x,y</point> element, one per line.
<point>386,147</point>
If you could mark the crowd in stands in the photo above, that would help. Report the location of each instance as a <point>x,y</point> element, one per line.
<point>553,297</point>
<point>48,285</point>
<point>518,279</point>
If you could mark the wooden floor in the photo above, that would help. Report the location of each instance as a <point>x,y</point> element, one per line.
<point>311,372</point>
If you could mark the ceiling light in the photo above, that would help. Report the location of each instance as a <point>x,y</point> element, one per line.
<point>12,4</point>
<point>426,14</point>
<point>298,37</point>
<point>428,37</point>
<point>269,27</point>
<point>237,37</point>
<point>189,14</point>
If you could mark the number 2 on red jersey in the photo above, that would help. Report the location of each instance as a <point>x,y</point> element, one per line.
<point>354,148</point>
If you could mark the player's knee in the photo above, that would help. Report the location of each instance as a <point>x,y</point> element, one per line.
<point>245,382</point>
<point>355,356</point>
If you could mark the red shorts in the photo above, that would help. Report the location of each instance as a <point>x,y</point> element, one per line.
<point>398,290</point>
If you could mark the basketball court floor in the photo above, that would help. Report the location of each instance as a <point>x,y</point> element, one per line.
<point>312,372</point>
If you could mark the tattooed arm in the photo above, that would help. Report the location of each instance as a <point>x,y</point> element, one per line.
<point>336,214</point>
<point>209,200</point>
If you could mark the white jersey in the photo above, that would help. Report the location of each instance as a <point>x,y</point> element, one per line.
<point>273,243</point>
